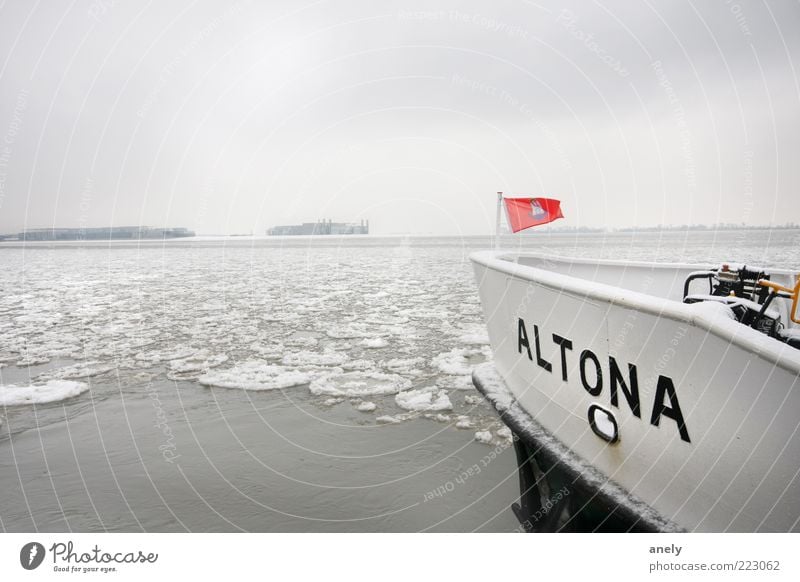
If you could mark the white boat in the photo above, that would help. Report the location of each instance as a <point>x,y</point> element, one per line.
<point>646,396</point>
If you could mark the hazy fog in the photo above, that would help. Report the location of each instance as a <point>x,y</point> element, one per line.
<point>229,117</point>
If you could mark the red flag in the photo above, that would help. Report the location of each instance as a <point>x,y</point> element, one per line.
<point>527,212</point>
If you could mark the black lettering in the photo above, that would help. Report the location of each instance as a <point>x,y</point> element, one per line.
<point>539,359</point>
<point>666,387</point>
<point>632,395</point>
<point>522,339</point>
<point>565,345</point>
<point>598,387</point>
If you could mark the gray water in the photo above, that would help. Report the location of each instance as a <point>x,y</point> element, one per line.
<point>271,384</point>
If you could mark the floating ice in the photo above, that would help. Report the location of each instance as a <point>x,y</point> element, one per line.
<point>455,362</point>
<point>359,365</point>
<point>326,358</point>
<point>200,362</point>
<point>406,366</point>
<point>374,342</point>
<point>77,371</point>
<point>156,356</point>
<point>255,376</point>
<point>464,422</point>
<point>505,433</point>
<point>424,399</point>
<point>52,391</point>
<point>348,332</point>
<point>32,361</point>
<point>142,319</point>
<point>479,338</point>
<point>386,320</point>
<point>358,384</point>
<point>484,436</point>
<point>302,342</point>
<point>268,351</point>
<point>456,382</point>
<point>366,407</point>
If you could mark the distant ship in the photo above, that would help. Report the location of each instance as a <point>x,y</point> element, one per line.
<point>105,233</point>
<point>321,227</point>
<point>646,397</point>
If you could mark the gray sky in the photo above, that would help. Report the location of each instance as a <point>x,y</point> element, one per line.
<point>229,117</point>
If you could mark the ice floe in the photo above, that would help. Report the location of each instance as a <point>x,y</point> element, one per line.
<point>475,338</point>
<point>374,342</point>
<point>199,362</point>
<point>358,384</point>
<point>175,353</point>
<point>456,382</point>
<point>505,433</point>
<point>305,358</point>
<point>359,365</point>
<point>424,400</point>
<point>255,376</point>
<point>77,371</point>
<point>52,391</point>
<point>464,422</point>
<point>455,362</point>
<point>348,331</point>
<point>405,366</point>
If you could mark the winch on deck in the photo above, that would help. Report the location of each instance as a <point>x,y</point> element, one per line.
<point>750,296</point>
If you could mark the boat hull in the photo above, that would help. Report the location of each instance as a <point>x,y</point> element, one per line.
<point>702,411</point>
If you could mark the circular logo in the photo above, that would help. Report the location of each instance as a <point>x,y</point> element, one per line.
<point>31,555</point>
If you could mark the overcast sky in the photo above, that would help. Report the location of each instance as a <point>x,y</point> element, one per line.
<point>230,117</point>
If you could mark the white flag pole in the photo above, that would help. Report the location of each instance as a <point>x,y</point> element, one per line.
<point>497,221</point>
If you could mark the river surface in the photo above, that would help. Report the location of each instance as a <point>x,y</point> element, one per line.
<point>269,384</point>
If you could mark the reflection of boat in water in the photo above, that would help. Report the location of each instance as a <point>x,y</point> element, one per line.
<point>646,397</point>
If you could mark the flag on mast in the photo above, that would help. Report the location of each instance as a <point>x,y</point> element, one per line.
<point>527,212</point>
